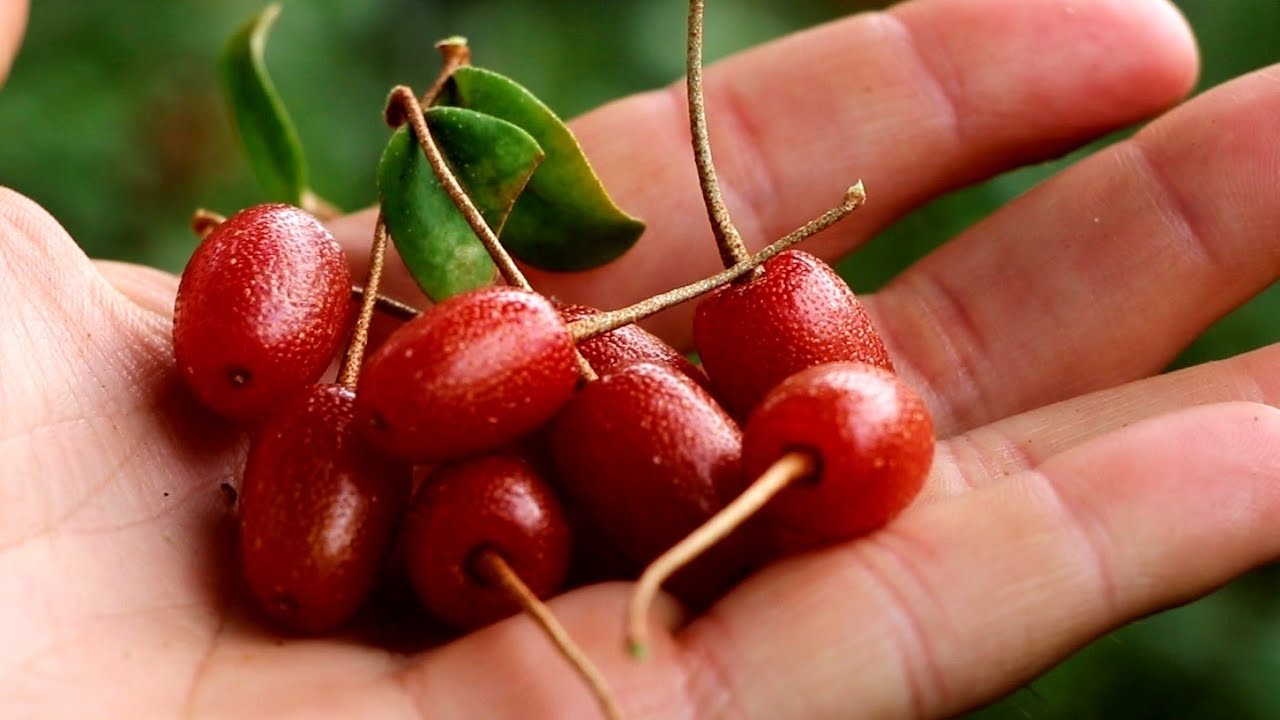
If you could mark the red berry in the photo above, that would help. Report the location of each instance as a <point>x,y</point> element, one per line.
<point>495,503</point>
<point>871,435</point>
<point>628,345</point>
<point>319,507</point>
<point>262,308</point>
<point>795,314</point>
<point>648,456</point>
<point>471,374</point>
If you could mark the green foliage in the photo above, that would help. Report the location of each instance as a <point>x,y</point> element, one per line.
<point>565,219</point>
<point>493,161</point>
<point>261,121</point>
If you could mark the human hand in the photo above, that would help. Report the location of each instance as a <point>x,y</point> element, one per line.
<point>1073,490</point>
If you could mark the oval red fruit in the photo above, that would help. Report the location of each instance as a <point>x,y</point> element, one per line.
<point>648,456</point>
<point>795,314</point>
<point>495,503</point>
<point>261,310</point>
<point>873,439</point>
<point>319,507</point>
<point>471,374</point>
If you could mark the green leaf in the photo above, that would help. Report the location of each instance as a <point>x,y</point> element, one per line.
<point>258,114</point>
<point>492,159</point>
<point>564,220</point>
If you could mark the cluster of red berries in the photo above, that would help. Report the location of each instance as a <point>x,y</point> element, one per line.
<point>519,457</point>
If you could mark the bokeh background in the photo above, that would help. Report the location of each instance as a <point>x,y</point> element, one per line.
<point>112,120</point>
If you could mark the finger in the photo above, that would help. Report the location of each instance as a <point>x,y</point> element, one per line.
<point>993,452</point>
<point>47,284</point>
<point>53,293</point>
<point>150,289</point>
<point>85,375</point>
<point>523,677</point>
<point>1104,273</point>
<point>952,605</point>
<point>13,20</point>
<point>928,96</point>
<point>961,601</point>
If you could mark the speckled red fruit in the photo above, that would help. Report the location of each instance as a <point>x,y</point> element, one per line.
<point>319,507</point>
<point>795,314</point>
<point>648,456</point>
<point>628,345</point>
<point>262,308</point>
<point>471,374</point>
<point>873,438</point>
<point>494,503</point>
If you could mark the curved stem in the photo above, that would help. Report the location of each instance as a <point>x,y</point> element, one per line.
<point>390,306</point>
<point>728,241</point>
<point>350,371</point>
<point>456,54</point>
<point>410,110</point>
<point>604,322</point>
<point>784,471</point>
<point>203,221</point>
<point>317,206</point>
<point>403,105</point>
<point>496,570</point>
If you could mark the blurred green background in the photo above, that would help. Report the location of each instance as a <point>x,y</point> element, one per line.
<point>112,120</point>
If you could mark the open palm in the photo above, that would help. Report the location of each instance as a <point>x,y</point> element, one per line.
<point>1073,489</point>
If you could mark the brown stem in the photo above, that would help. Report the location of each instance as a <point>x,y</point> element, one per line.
<point>203,222</point>
<point>404,106</point>
<point>350,371</point>
<point>390,306</point>
<point>317,206</point>
<point>494,569</point>
<point>601,323</point>
<point>728,241</point>
<point>456,54</point>
<point>784,471</point>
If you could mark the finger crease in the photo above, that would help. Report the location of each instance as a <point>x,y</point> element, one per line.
<point>1082,523</point>
<point>707,689</point>
<point>1175,206</point>
<point>887,568</point>
<point>964,346</point>
<point>946,88</point>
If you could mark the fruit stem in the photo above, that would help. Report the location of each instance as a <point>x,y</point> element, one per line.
<point>402,106</point>
<point>456,54</point>
<point>203,221</point>
<point>351,362</point>
<point>390,306</point>
<point>784,471</point>
<point>317,206</point>
<point>604,322</point>
<point>494,568</point>
<point>728,240</point>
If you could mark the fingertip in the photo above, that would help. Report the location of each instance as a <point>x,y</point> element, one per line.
<point>1128,59</point>
<point>1170,45</point>
<point>13,21</point>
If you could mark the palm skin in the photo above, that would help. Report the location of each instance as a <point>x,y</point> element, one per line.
<point>1073,489</point>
